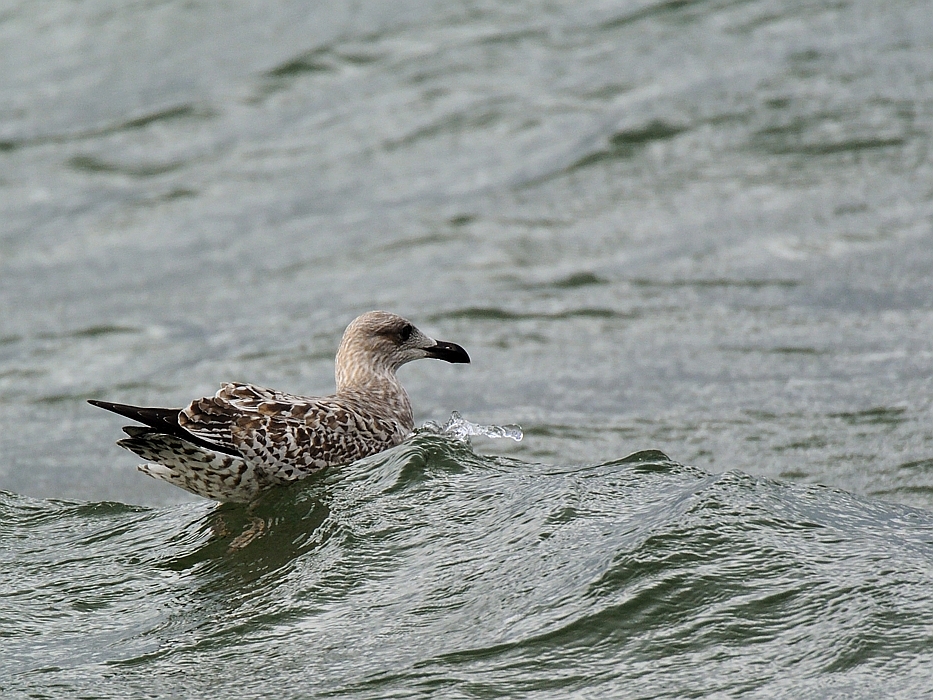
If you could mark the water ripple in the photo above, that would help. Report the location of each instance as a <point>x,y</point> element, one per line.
<point>483,572</point>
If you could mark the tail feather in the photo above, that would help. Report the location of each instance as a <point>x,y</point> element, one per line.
<point>158,420</point>
<point>201,471</point>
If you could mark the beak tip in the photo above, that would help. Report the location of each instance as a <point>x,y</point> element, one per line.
<point>449,352</point>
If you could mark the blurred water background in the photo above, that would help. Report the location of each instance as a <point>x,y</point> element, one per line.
<point>698,228</point>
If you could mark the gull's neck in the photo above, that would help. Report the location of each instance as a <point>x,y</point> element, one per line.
<point>371,383</point>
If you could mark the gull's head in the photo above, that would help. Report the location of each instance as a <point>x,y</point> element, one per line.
<point>381,342</point>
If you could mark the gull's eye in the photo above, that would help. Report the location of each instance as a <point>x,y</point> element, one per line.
<point>406,332</point>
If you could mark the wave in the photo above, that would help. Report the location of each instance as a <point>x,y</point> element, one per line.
<point>431,569</point>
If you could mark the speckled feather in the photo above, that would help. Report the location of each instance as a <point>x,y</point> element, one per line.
<point>291,436</point>
<point>245,439</point>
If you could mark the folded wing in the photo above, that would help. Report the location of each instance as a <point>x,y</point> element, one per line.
<point>286,436</point>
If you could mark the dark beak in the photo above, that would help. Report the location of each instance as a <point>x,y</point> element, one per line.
<point>449,352</point>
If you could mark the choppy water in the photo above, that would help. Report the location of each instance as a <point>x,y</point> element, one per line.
<point>432,570</point>
<point>704,228</point>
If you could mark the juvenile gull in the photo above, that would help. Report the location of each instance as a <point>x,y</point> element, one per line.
<point>245,439</point>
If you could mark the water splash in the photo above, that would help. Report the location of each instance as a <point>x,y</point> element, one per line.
<point>461,429</point>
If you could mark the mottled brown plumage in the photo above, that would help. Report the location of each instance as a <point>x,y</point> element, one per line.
<point>245,439</point>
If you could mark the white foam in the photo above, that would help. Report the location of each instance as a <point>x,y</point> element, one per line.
<point>461,429</point>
